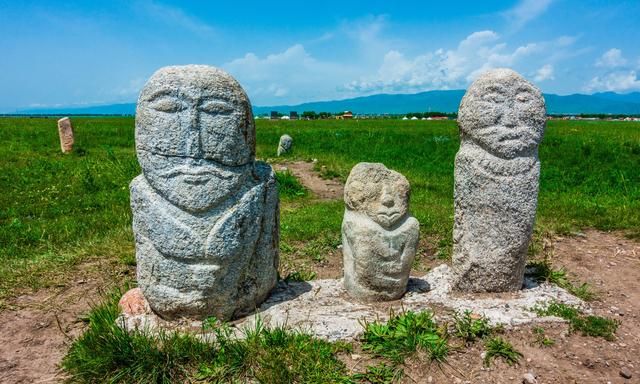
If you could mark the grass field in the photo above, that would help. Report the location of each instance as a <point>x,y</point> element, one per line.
<point>59,210</point>
<point>56,210</point>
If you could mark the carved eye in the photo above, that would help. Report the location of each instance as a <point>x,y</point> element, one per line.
<point>216,107</point>
<point>166,104</point>
<point>493,97</point>
<point>524,97</point>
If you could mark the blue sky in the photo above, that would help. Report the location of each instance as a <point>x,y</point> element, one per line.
<point>91,52</point>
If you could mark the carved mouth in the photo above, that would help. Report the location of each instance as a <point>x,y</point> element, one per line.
<point>507,138</point>
<point>519,133</point>
<point>195,178</point>
<point>389,215</point>
<point>195,171</point>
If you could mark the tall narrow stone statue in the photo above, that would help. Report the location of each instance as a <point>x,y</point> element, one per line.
<point>379,236</point>
<point>65,131</point>
<point>205,213</point>
<point>502,119</point>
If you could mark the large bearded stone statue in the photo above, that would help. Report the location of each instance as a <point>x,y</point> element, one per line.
<point>502,119</point>
<point>205,213</point>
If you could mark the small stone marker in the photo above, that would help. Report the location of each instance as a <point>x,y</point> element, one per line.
<point>502,119</point>
<point>379,237</point>
<point>205,213</point>
<point>65,131</point>
<point>285,144</point>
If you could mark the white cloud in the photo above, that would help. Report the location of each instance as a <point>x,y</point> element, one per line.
<point>289,76</point>
<point>564,41</point>
<point>611,59</point>
<point>295,75</point>
<point>175,16</point>
<point>525,11</point>
<point>617,81</point>
<point>544,73</point>
<point>446,69</point>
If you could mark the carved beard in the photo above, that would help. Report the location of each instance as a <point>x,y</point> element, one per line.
<point>487,162</point>
<point>194,185</point>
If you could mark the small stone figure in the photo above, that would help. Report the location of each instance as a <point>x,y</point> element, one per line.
<point>502,119</point>
<point>285,144</point>
<point>65,131</point>
<point>205,213</point>
<point>379,237</point>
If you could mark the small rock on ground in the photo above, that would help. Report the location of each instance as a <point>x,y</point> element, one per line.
<point>626,373</point>
<point>529,378</point>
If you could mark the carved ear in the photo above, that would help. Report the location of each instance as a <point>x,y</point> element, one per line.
<point>351,192</point>
<point>348,200</point>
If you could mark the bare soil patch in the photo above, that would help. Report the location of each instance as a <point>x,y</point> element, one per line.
<point>322,189</point>
<point>37,329</point>
<point>608,262</point>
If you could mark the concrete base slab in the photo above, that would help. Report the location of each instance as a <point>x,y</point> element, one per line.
<point>323,308</point>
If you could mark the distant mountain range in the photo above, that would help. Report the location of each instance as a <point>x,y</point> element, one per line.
<point>440,101</point>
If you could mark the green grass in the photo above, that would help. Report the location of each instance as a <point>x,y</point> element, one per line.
<point>402,335</point>
<point>380,374</point>
<point>106,353</point>
<point>289,186</point>
<point>498,347</point>
<point>543,271</point>
<point>57,210</point>
<point>469,327</point>
<point>588,325</point>
<point>300,275</point>
<point>542,339</point>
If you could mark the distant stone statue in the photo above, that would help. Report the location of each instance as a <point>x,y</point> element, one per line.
<point>379,237</point>
<point>285,144</point>
<point>502,120</point>
<point>65,131</point>
<point>205,213</point>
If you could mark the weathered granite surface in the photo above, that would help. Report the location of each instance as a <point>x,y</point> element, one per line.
<point>205,214</point>
<point>502,119</point>
<point>65,131</point>
<point>323,307</point>
<point>284,145</point>
<point>379,237</point>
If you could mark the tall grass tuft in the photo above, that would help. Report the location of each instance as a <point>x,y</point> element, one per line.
<point>107,353</point>
<point>405,334</point>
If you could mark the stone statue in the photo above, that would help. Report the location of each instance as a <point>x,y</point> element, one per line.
<point>379,237</point>
<point>205,213</point>
<point>285,144</point>
<point>502,120</point>
<point>65,131</point>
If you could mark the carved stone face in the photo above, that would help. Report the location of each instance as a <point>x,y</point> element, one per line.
<point>503,113</point>
<point>195,135</point>
<point>379,193</point>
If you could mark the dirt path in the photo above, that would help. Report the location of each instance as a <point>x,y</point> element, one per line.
<point>611,265</point>
<point>37,329</point>
<point>321,188</point>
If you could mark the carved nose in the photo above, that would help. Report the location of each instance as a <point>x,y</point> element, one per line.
<point>509,119</point>
<point>387,198</point>
<point>194,147</point>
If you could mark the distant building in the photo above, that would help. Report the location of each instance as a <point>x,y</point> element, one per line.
<point>285,117</point>
<point>293,115</point>
<point>274,115</point>
<point>347,115</point>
